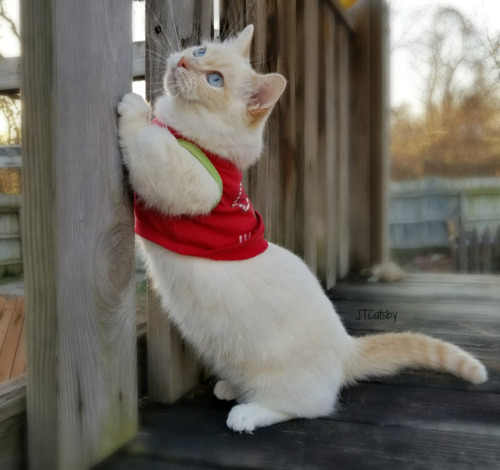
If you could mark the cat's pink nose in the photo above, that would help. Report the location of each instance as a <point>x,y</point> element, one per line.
<point>183,63</point>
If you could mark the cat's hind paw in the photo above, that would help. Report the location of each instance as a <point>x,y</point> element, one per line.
<point>250,416</point>
<point>223,390</point>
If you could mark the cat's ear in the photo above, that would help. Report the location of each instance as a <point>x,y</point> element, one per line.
<point>268,89</point>
<point>243,42</point>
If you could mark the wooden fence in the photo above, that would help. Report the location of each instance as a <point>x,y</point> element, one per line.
<point>317,186</point>
<point>476,251</point>
<point>423,211</point>
<point>303,185</point>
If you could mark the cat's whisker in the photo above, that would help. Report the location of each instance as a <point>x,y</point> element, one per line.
<point>165,49</point>
<point>175,26</point>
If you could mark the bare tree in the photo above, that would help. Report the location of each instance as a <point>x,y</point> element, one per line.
<point>457,133</point>
<point>10,105</point>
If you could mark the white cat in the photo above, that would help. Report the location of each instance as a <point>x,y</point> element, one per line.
<point>252,310</point>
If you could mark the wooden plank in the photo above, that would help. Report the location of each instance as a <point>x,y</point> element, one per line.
<point>13,424</point>
<point>260,179</point>
<point>193,435</point>
<point>475,251</point>
<point>487,243</point>
<point>78,242</point>
<point>126,462</point>
<point>369,162</point>
<point>19,365</point>
<point>412,420</point>
<point>461,411</point>
<point>10,72</point>
<point>379,138</point>
<point>341,14</point>
<point>331,122</point>
<point>6,310</point>
<point>170,25</point>
<point>12,339</point>
<point>325,184</point>
<point>287,63</point>
<point>10,69</point>
<point>476,290</point>
<point>359,165</point>
<point>438,317</point>
<point>311,85</point>
<point>173,368</point>
<point>343,183</point>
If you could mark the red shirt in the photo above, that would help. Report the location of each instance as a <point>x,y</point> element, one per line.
<point>231,231</point>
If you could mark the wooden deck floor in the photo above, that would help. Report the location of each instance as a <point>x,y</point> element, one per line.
<point>12,338</point>
<point>414,420</point>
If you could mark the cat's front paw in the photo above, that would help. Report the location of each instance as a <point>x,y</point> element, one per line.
<point>223,390</point>
<point>133,107</point>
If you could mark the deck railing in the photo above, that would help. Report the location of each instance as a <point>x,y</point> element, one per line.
<point>303,185</point>
<point>321,191</point>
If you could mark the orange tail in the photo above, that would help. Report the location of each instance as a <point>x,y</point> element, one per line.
<point>386,354</point>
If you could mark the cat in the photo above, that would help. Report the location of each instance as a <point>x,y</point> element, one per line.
<point>252,310</point>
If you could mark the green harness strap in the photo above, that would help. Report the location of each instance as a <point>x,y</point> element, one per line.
<point>203,159</point>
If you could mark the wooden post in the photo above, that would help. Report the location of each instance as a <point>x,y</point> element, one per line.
<point>369,163</point>
<point>475,251</point>
<point>487,242</point>
<point>78,241</point>
<point>310,130</point>
<point>462,248</point>
<point>171,25</point>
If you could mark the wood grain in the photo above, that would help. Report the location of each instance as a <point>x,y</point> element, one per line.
<point>78,241</point>
<point>170,25</point>
<point>416,419</point>
<point>10,344</point>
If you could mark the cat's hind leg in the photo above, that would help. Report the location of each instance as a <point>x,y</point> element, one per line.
<point>249,416</point>
<point>223,390</point>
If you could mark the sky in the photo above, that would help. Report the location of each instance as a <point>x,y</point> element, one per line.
<point>404,80</point>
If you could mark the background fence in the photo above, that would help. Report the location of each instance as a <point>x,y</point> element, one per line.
<point>460,215</point>
<point>425,213</point>
<point>10,210</point>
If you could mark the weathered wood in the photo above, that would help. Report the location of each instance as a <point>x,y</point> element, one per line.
<point>475,251</point>
<point>173,368</point>
<point>195,436</point>
<point>10,69</point>
<point>170,25</point>
<point>12,337</point>
<point>379,115</point>
<point>369,163</point>
<point>311,82</point>
<point>487,242</point>
<point>13,424</point>
<point>415,419</point>
<point>286,112</point>
<point>10,72</point>
<point>78,241</point>
<point>327,151</point>
<point>345,206</point>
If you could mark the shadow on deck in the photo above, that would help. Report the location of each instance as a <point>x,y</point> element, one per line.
<point>413,420</point>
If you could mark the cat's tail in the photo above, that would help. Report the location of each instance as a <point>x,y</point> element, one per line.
<point>385,354</point>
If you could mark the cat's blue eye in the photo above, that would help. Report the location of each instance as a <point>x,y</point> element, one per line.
<point>215,79</point>
<point>200,52</point>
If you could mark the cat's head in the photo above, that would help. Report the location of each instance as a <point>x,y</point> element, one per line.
<point>218,100</point>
